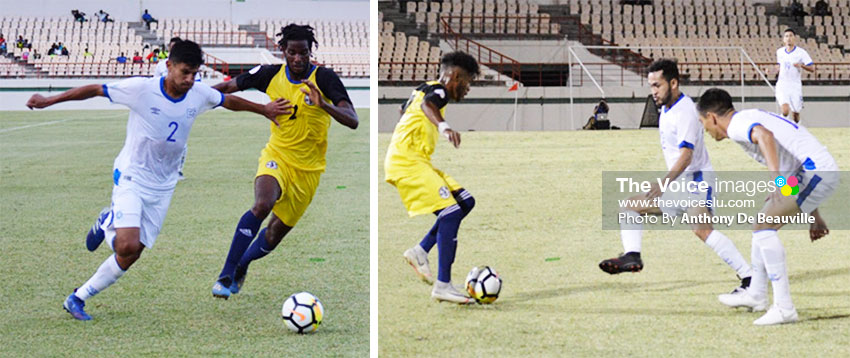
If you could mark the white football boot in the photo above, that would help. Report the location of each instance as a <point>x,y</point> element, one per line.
<point>776,315</point>
<point>445,291</point>
<point>741,298</point>
<point>418,259</point>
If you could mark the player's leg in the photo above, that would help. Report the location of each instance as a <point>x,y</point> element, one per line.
<point>631,232</point>
<point>466,202</point>
<point>266,192</point>
<point>128,249</point>
<point>786,109</point>
<point>448,220</point>
<point>722,246</point>
<point>766,241</point>
<point>267,240</point>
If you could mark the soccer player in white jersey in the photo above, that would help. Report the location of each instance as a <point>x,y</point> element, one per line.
<point>790,151</point>
<point>687,160</point>
<point>790,60</point>
<point>162,71</point>
<point>162,110</point>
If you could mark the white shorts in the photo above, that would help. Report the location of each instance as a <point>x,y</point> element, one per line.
<point>682,199</point>
<point>793,98</point>
<point>816,185</point>
<point>135,206</point>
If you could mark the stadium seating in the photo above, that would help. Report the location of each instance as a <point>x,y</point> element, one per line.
<point>484,16</point>
<point>712,23</point>
<point>405,57</point>
<point>343,45</point>
<point>10,69</point>
<point>207,32</point>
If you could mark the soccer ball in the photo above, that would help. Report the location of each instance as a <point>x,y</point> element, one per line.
<point>483,284</point>
<point>302,312</point>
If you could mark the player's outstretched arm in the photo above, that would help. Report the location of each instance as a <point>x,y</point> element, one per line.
<point>271,110</point>
<point>74,94</point>
<point>685,156</point>
<point>227,87</point>
<point>433,113</point>
<point>343,112</point>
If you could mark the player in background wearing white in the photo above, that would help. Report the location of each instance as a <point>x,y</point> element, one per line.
<point>687,159</point>
<point>789,150</point>
<point>790,59</point>
<point>162,111</point>
<point>162,71</point>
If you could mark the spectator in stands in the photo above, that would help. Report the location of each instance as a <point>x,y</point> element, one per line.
<point>103,16</point>
<point>138,58</point>
<point>148,19</point>
<point>822,9</point>
<point>153,57</point>
<point>795,9</point>
<point>35,55</point>
<point>52,50</point>
<point>65,52</point>
<point>121,58</point>
<point>27,44</point>
<point>3,48</point>
<point>25,55</point>
<point>78,16</point>
<point>163,53</point>
<point>87,53</point>
<point>2,39</point>
<point>20,42</point>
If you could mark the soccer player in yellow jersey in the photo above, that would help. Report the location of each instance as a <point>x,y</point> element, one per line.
<point>294,158</point>
<point>423,188</point>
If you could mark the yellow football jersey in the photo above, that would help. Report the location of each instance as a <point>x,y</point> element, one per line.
<point>415,136</point>
<point>301,140</point>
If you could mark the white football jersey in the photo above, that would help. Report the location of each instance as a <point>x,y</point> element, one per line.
<point>796,147</point>
<point>157,128</point>
<point>789,76</point>
<point>162,70</point>
<point>679,126</point>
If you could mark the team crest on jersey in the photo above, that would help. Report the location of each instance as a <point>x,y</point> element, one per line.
<point>271,164</point>
<point>444,192</point>
<point>307,100</point>
<point>191,112</point>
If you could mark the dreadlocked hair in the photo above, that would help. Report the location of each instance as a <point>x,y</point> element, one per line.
<point>293,32</point>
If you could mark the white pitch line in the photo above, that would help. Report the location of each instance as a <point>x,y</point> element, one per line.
<point>51,122</point>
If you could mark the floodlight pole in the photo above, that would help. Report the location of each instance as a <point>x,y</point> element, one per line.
<point>570,70</point>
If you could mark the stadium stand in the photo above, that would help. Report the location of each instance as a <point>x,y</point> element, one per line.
<point>344,44</point>
<point>754,26</point>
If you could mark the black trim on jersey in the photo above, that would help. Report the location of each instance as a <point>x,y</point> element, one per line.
<point>259,80</point>
<point>331,86</point>
<point>436,99</point>
<point>429,96</point>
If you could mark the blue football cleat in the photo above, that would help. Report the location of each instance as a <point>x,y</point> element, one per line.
<point>75,307</point>
<point>220,290</point>
<point>96,234</point>
<point>238,281</point>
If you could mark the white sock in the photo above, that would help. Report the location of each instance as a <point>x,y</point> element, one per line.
<point>758,283</point>
<point>728,253</point>
<point>106,275</point>
<point>631,233</point>
<point>773,254</point>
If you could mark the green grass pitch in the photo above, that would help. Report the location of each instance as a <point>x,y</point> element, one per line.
<point>537,198</point>
<point>55,175</point>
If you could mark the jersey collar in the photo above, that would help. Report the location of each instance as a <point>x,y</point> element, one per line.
<point>674,103</point>
<point>309,72</point>
<point>792,50</point>
<point>162,88</point>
